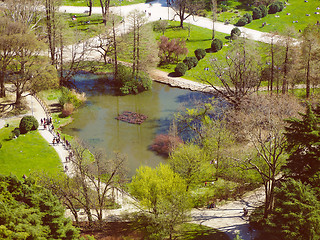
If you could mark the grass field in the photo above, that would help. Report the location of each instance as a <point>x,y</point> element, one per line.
<point>298,10</point>
<point>26,153</point>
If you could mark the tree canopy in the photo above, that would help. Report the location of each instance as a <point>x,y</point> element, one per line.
<point>28,211</point>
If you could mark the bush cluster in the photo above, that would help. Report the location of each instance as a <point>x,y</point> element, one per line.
<point>163,144</point>
<point>28,123</point>
<point>67,110</point>
<point>190,62</point>
<point>248,16</point>
<point>264,10</point>
<point>216,45</point>
<point>276,7</point>
<point>256,13</point>
<point>132,85</point>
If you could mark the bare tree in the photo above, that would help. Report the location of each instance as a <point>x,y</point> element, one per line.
<point>214,16</point>
<point>310,47</point>
<point>25,11</point>
<point>90,5</point>
<point>186,8</point>
<point>105,5</point>
<point>239,73</point>
<point>262,120</point>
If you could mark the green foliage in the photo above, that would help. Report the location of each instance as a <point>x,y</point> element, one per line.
<point>28,123</point>
<point>303,137</point>
<point>296,213</point>
<point>256,13</point>
<point>15,133</point>
<point>0,145</point>
<point>181,69</point>
<point>31,212</point>
<point>264,10</point>
<point>248,16</point>
<point>68,96</point>
<point>190,62</point>
<point>216,45</point>
<point>132,85</point>
<point>188,161</point>
<point>242,21</point>
<point>162,193</point>
<point>200,53</point>
<point>235,33</point>
<point>276,7</point>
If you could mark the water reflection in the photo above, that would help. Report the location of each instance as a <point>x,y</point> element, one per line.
<point>96,123</point>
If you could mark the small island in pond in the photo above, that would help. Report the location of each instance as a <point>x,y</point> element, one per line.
<point>132,117</point>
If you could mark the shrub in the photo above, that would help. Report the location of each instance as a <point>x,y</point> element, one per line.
<point>256,13</point>
<point>235,33</point>
<point>16,132</point>
<point>165,144</point>
<point>276,7</point>
<point>200,53</point>
<point>248,16</point>
<point>242,21</point>
<point>181,69</point>
<point>67,110</point>
<point>216,45</point>
<point>190,62</point>
<point>27,124</point>
<point>264,10</point>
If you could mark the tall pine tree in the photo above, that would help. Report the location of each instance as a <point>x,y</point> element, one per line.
<point>303,137</point>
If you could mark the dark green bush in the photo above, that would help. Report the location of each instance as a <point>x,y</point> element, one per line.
<point>256,13</point>
<point>248,16</point>
<point>0,145</point>
<point>28,123</point>
<point>191,62</point>
<point>200,53</point>
<point>181,69</point>
<point>216,45</point>
<point>16,132</point>
<point>235,33</point>
<point>242,21</point>
<point>276,7</point>
<point>264,10</point>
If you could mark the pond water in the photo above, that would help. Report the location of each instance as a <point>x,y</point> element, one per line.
<point>96,124</point>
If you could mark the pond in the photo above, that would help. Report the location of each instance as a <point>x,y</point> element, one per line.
<point>96,122</point>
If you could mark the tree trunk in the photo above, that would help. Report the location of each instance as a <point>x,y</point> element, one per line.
<point>214,9</point>
<point>89,4</point>
<point>115,51</point>
<point>18,97</point>
<point>2,89</point>
<point>285,71</point>
<point>308,73</point>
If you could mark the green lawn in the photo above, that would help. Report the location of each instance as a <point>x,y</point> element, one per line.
<point>297,10</point>
<point>26,153</point>
<point>199,38</point>
<point>199,232</point>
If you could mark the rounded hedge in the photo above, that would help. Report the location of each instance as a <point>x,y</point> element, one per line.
<point>16,132</point>
<point>181,69</point>
<point>276,7</point>
<point>248,16</point>
<point>256,13</point>
<point>216,45</point>
<point>200,53</point>
<point>264,10</point>
<point>191,62</point>
<point>28,123</point>
<point>242,21</point>
<point>235,33</point>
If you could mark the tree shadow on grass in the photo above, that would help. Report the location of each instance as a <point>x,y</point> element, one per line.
<point>199,232</point>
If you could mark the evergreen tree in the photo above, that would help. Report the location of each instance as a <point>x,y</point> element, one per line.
<point>28,211</point>
<point>303,137</point>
